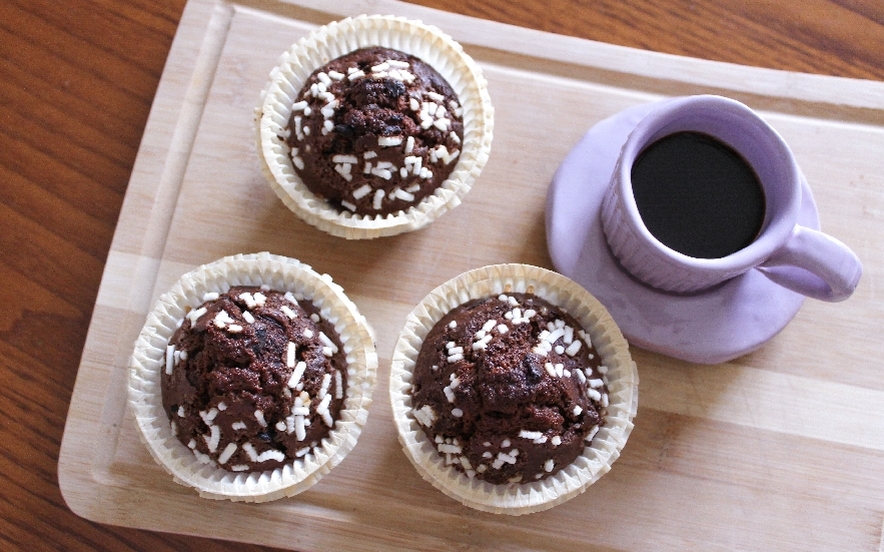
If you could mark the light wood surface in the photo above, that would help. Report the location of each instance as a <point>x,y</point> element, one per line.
<point>782,449</point>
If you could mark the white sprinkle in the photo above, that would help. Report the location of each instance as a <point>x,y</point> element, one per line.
<point>291,349</point>
<point>378,198</point>
<point>581,376</point>
<point>389,141</point>
<point>591,434</point>
<point>170,359</point>
<point>213,438</point>
<point>603,370</point>
<point>596,383</point>
<point>383,66</point>
<point>335,75</point>
<point>577,410</point>
<point>505,443</point>
<point>209,416</point>
<point>300,429</point>
<point>210,296</point>
<point>556,440</point>
<point>238,425</point>
<point>194,315</point>
<point>454,358</point>
<point>362,191</point>
<point>449,449</point>
<point>403,195</point>
<point>550,369</point>
<point>299,106</point>
<point>239,468</point>
<point>247,316</point>
<point>530,435</point>
<point>322,410</point>
<point>234,328</point>
<point>323,77</point>
<point>425,416</point>
<point>409,142</point>
<point>449,393</point>
<point>573,348</point>
<point>386,174</point>
<point>347,205</point>
<point>442,124</point>
<point>295,379</point>
<point>315,318</point>
<point>436,96</point>
<point>323,390</point>
<point>593,394</point>
<point>227,453</point>
<point>548,465</point>
<point>249,299</point>
<point>191,444</point>
<point>454,137</point>
<point>308,333</point>
<point>271,454</point>
<point>351,159</point>
<point>344,171</point>
<point>357,74</point>
<point>222,319</point>
<point>339,385</point>
<point>259,415</point>
<point>327,342</point>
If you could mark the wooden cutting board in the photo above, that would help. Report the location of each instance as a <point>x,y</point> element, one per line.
<point>779,449</point>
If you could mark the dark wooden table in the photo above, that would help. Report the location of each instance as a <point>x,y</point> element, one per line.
<point>77,79</point>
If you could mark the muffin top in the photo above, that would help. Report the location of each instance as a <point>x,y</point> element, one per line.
<point>375,131</point>
<point>509,388</point>
<point>254,379</point>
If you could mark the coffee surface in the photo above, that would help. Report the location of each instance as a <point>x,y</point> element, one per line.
<point>697,195</point>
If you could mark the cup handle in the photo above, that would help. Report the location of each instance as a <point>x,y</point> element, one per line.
<point>816,265</point>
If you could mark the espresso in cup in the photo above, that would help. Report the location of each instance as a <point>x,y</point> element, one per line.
<point>697,195</point>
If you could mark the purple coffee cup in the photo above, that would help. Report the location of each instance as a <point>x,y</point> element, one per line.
<point>801,259</point>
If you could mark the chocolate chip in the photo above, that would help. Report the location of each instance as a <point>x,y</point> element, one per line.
<point>532,367</point>
<point>394,88</point>
<point>345,130</point>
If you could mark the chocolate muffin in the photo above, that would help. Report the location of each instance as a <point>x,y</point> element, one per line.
<point>510,388</point>
<point>254,379</point>
<point>373,126</point>
<point>375,131</point>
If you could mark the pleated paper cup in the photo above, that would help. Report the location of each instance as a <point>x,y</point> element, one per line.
<point>332,41</point>
<point>148,361</point>
<point>621,379</point>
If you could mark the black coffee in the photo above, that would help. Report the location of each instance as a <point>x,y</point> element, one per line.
<point>697,195</point>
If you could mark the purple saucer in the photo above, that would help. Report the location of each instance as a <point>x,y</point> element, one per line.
<point>709,327</point>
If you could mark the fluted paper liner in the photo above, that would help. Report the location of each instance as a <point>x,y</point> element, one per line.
<point>622,382</point>
<point>148,360</point>
<point>332,41</point>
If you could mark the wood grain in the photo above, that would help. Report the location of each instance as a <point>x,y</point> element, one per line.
<point>76,85</point>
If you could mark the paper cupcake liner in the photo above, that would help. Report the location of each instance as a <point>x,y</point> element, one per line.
<point>622,382</point>
<point>332,41</point>
<point>148,360</point>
